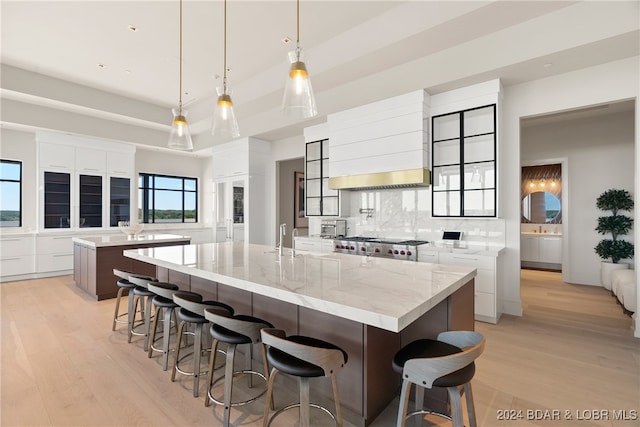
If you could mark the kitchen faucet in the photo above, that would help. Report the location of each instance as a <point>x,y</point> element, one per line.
<point>283,232</point>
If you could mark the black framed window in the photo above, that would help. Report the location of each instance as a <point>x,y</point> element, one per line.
<point>167,199</point>
<point>10,193</point>
<point>464,163</point>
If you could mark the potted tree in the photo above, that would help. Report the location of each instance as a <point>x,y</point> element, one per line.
<point>613,250</point>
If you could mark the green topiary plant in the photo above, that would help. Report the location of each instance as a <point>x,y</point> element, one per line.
<point>614,249</point>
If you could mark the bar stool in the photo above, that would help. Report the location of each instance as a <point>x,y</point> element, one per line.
<point>144,297</point>
<point>191,312</point>
<point>163,301</point>
<point>233,331</point>
<point>125,285</point>
<point>305,358</point>
<point>447,362</point>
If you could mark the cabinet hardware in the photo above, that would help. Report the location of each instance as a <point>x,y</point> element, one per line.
<point>11,259</point>
<point>10,240</point>
<point>61,255</point>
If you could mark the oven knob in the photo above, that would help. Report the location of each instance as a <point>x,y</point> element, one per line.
<point>401,252</point>
<point>352,248</point>
<point>395,252</point>
<point>390,251</point>
<point>363,249</point>
<point>377,251</point>
<point>341,246</point>
<point>337,246</point>
<point>408,253</point>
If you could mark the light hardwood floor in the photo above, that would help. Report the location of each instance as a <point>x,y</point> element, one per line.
<point>573,350</point>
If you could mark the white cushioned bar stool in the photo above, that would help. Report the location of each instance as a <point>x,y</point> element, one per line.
<point>305,358</point>
<point>163,302</point>
<point>144,297</point>
<point>234,331</point>
<point>191,313</point>
<point>125,285</point>
<point>446,362</point>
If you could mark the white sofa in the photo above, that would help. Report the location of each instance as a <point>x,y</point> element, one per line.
<point>623,286</point>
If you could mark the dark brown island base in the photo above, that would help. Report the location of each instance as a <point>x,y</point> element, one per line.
<point>95,257</point>
<point>370,307</point>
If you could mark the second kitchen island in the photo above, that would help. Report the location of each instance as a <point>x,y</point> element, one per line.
<point>370,307</point>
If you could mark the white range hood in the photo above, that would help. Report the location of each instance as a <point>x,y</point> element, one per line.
<point>384,144</point>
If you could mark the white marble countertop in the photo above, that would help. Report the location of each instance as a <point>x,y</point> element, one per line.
<point>388,294</point>
<point>124,240</point>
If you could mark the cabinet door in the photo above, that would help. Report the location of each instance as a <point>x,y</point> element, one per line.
<point>56,156</point>
<point>120,164</point>
<point>90,201</point>
<point>91,161</point>
<point>551,249</point>
<point>529,248</point>
<point>119,200</point>
<point>57,200</point>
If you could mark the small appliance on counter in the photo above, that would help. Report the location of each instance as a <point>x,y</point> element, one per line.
<point>452,235</point>
<point>333,228</point>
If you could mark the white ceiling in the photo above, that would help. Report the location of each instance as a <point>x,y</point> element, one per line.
<point>357,52</point>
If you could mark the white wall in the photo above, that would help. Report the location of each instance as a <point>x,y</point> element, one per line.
<point>600,156</point>
<point>610,82</point>
<point>21,146</point>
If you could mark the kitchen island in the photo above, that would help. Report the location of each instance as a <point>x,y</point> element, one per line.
<point>95,257</point>
<point>368,306</point>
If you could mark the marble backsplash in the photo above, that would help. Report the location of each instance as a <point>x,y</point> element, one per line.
<point>406,214</point>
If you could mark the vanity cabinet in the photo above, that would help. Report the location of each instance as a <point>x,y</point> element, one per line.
<point>487,281</point>
<point>541,251</point>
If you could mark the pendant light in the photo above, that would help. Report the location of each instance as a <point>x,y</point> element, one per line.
<point>224,118</point>
<point>180,138</point>
<point>298,100</point>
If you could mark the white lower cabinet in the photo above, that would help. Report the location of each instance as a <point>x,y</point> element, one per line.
<point>316,245</point>
<point>486,282</point>
<point>55,254</point>
<point>17,256</point>
<point>540,249</point>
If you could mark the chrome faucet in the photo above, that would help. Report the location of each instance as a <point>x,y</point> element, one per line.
<point>283,232</point>
<point>294,234</point>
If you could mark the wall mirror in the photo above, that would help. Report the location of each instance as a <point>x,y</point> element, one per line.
<point>541,207</point>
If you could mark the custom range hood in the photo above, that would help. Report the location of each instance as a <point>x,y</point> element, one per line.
<point>381,145</point>
<point>419,177</point>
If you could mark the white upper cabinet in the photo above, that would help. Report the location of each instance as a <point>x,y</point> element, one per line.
<point>384,136</point>
<point>57,157</point>
<point>121,164</point>
<point>92,161</point>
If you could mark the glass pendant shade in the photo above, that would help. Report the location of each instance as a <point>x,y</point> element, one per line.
<point>298,100</point>
<point>180,138</point>
<point>224,118</point>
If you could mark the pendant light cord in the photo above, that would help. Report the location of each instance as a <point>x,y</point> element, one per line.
<point>298,29</point>
<point>224,72</point>
<point>180,94</point>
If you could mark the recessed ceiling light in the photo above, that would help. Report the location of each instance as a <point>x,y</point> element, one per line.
<point>547,65</point>
<point>132,28</point>
<point>286,40</point>
<point>127,71</point>
<point>100,65</point>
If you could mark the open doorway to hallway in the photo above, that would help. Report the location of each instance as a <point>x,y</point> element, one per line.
<point>595,146</point>
<point>286,189</point>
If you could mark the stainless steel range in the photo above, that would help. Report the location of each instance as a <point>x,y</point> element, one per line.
<point>386,248</point>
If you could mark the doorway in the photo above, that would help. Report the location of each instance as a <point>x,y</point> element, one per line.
<point>286,190</point>
<point>596,148</point>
